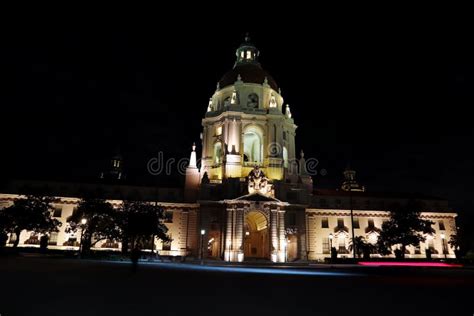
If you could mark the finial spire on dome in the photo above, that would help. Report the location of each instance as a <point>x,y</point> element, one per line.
<point>247,37</point>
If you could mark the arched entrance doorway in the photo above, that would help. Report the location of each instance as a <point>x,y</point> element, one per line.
<point>256,239</point>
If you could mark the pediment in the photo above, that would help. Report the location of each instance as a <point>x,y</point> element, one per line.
<point>257,197</point>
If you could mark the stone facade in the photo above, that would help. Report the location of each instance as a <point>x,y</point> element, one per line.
<point>250,197</point>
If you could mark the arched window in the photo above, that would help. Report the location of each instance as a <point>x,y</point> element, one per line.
<point>252,101</point>
<point>253,145</point>
<point>217,152</point>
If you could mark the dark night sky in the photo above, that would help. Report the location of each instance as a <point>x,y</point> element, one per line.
<point>394,100</point>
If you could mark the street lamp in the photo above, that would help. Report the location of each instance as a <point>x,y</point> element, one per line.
<point>83,224</point>
<point>443,236</point>
<point>203,232</point>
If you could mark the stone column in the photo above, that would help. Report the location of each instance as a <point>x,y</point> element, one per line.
<point>274,234</point>
<point>311,236</point>
<point>228,236</point>
<point>281,236</point>
<point>239,233</point>
<point>302,242</point>
<point>184,227</point>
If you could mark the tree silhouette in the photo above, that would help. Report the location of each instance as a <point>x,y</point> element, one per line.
<point>32,213</point>
<point>141,221</point>
<point>100,221</point>
<point>363,248</point>
<point>404,228</point>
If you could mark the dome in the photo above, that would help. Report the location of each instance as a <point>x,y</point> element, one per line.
<point>249,73</point>
<point>248,67</point>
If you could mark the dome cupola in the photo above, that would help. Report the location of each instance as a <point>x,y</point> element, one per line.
<point>247,52</point>
<point>247,68</point>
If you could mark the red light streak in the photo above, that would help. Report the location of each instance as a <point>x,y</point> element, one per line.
<point>410,264</point>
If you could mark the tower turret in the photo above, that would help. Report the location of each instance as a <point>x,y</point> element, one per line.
<point>191,186</point>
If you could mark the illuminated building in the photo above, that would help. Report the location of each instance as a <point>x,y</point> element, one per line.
<point>251,195</point>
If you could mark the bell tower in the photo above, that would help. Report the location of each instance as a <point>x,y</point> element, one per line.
<point>247,124</point>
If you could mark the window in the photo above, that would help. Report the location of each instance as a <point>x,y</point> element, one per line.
<point>53,238</point>
<point>252,101</point>
<point>242,54</point>
<point>285,157</point>
<point>168,216</point>
<point>325,222</point>
<point>441,225</point>
<point>342,245</point>
<point>340,222</point>
<point>326,249</point>
<point>249,54</point>
<point>13,238</point>
<point>356,223</point>
<point>217,152</point>
<point>417,249</point>
<point>167,244</point>
<point>57,211</point>
<point>371,223</point>
<point>218,130</point>
<point>284,135</point>
<point>445,247</point>
<point>273,102</point>
<point>234,98</point>
<point>430,244</point>
<point>253,144</point>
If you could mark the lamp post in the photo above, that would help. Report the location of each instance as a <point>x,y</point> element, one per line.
<point>443,236</point>
<point>203,232</point>
<point>330,242</point>
<point>83,225</point>
<point>352,223</point>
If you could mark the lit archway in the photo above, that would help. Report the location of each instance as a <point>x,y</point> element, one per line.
<point>256,240</point>
<point>253,145</point>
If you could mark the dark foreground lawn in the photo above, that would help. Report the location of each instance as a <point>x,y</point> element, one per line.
<point>41,286</point>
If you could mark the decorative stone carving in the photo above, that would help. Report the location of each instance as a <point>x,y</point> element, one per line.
<point>258,182</point>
